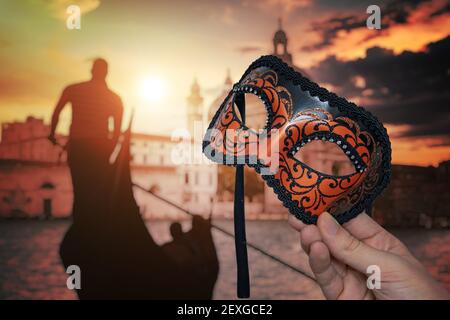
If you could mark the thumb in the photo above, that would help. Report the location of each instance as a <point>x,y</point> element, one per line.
<point>349,249</point>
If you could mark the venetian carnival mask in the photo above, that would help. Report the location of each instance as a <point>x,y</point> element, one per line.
<point>300,112</point>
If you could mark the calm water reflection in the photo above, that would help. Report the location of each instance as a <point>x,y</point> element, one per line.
<point>30,266</point>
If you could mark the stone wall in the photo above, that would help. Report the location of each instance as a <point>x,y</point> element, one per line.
<point>417,196</point>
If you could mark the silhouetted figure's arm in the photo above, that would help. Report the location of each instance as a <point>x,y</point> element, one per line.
<point>55,117</point>
<point>117,120</point>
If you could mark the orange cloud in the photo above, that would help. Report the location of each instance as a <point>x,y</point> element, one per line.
<point>398,38</point>
<point>414,35</point>
<point>408,152</point>
<point>416,151</point>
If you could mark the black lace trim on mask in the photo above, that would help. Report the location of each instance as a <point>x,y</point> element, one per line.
<point>348,109</point>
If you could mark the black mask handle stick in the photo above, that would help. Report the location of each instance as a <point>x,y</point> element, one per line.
<point>243,281</point>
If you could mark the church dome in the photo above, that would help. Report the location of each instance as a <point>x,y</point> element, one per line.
<point>280,37</point>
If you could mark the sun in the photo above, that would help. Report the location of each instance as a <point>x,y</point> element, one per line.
<point>152,89</point>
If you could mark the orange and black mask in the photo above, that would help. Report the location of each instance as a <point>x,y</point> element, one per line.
<point>299,112</point>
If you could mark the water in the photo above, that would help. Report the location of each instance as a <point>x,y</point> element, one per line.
<point>30,267</point>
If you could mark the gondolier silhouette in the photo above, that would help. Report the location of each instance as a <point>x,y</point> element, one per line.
<point>108,239</point>
<point>90,144</point>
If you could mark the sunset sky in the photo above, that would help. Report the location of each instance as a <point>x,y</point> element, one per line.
<point>401,73</point>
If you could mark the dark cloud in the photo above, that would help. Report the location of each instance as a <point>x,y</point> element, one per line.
<point>445,9</point>
<point>394,12</point>
<point>248,49</point>
<point>329,29</point>
<point>412,88</point>
<point>445,142</point>
<point>398,11</point>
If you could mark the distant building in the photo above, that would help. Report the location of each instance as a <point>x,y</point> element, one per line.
<point>35,180</point>
<point>194,107</point>
<point>416,196</point>
<point>34,189</point>
<point>199,179</point>
<point>24,141</point>
<point>152,168</point>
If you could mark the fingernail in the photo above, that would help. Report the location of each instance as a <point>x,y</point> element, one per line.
<point>329,225</point>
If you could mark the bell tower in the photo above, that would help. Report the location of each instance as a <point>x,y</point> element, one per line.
<point>228,82</point>
<point>194,107</point>
<point>280,40</point>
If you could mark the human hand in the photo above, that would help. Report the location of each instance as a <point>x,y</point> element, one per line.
<point>340,255</point>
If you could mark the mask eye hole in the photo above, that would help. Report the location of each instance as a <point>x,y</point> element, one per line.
<point>256,115</point>
<point>325,157</point>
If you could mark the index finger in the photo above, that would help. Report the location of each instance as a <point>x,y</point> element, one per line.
<point>296,223</point>
<point>363,227</point>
